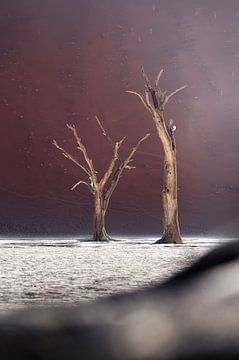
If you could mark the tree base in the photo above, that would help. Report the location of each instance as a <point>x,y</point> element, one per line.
<point>101,241</point>
<point>98,238</point>
<point>169,240</point>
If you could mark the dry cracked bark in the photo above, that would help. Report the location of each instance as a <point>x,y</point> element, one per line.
<point>155,100</point>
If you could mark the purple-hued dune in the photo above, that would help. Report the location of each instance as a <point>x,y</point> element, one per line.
<point>69,60</point>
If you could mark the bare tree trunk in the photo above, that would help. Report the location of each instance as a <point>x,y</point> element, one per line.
<point>154,101</point>
<point>171,232</point>
<point>99,232</point>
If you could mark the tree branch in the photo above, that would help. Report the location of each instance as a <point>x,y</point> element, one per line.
<point>149,101</point>
<point>124,165</point>
<point>135,148</point>
<point>155,99</point>
<point>107,136</point>
<point>104,132</point>
<point>78,183</point>
<point>141,98</point>
<point>158,78</point>
<point>112,163</point>
<point>173,93</point>
<point>83,150</point>
<point>70,157</point>
<point>148,83</point>
<point>128,167</point>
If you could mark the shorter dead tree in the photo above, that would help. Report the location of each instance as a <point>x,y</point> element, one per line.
<point>155,101</point>
<point>102,189</point>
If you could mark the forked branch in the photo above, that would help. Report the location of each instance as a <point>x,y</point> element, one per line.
<point>123,165</point>
<point>78,183</point>
<point>115,167</point>
<point>70,157</point>
<point>83,150</point>
<point>155,99</point>
<point>112,164</point>
<point>133,151</point>
<point>144,102</point>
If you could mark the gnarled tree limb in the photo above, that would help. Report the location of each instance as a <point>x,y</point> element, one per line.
<point>83,150</point>
<point>70,157</point>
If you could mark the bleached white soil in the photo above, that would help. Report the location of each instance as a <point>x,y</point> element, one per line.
<point>55,271</point>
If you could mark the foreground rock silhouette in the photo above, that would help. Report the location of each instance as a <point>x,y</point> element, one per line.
<point>193,315</point>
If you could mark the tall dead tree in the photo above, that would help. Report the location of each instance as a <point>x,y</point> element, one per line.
<point>154,101</point>
<point>103,188</point>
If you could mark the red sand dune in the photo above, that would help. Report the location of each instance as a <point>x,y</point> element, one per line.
<point>65,61</point>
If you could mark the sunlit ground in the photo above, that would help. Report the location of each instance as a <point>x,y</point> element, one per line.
<point>54,271</point>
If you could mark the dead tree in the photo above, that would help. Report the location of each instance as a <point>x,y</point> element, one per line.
<point>154,101</point>
<point>103,188</point>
